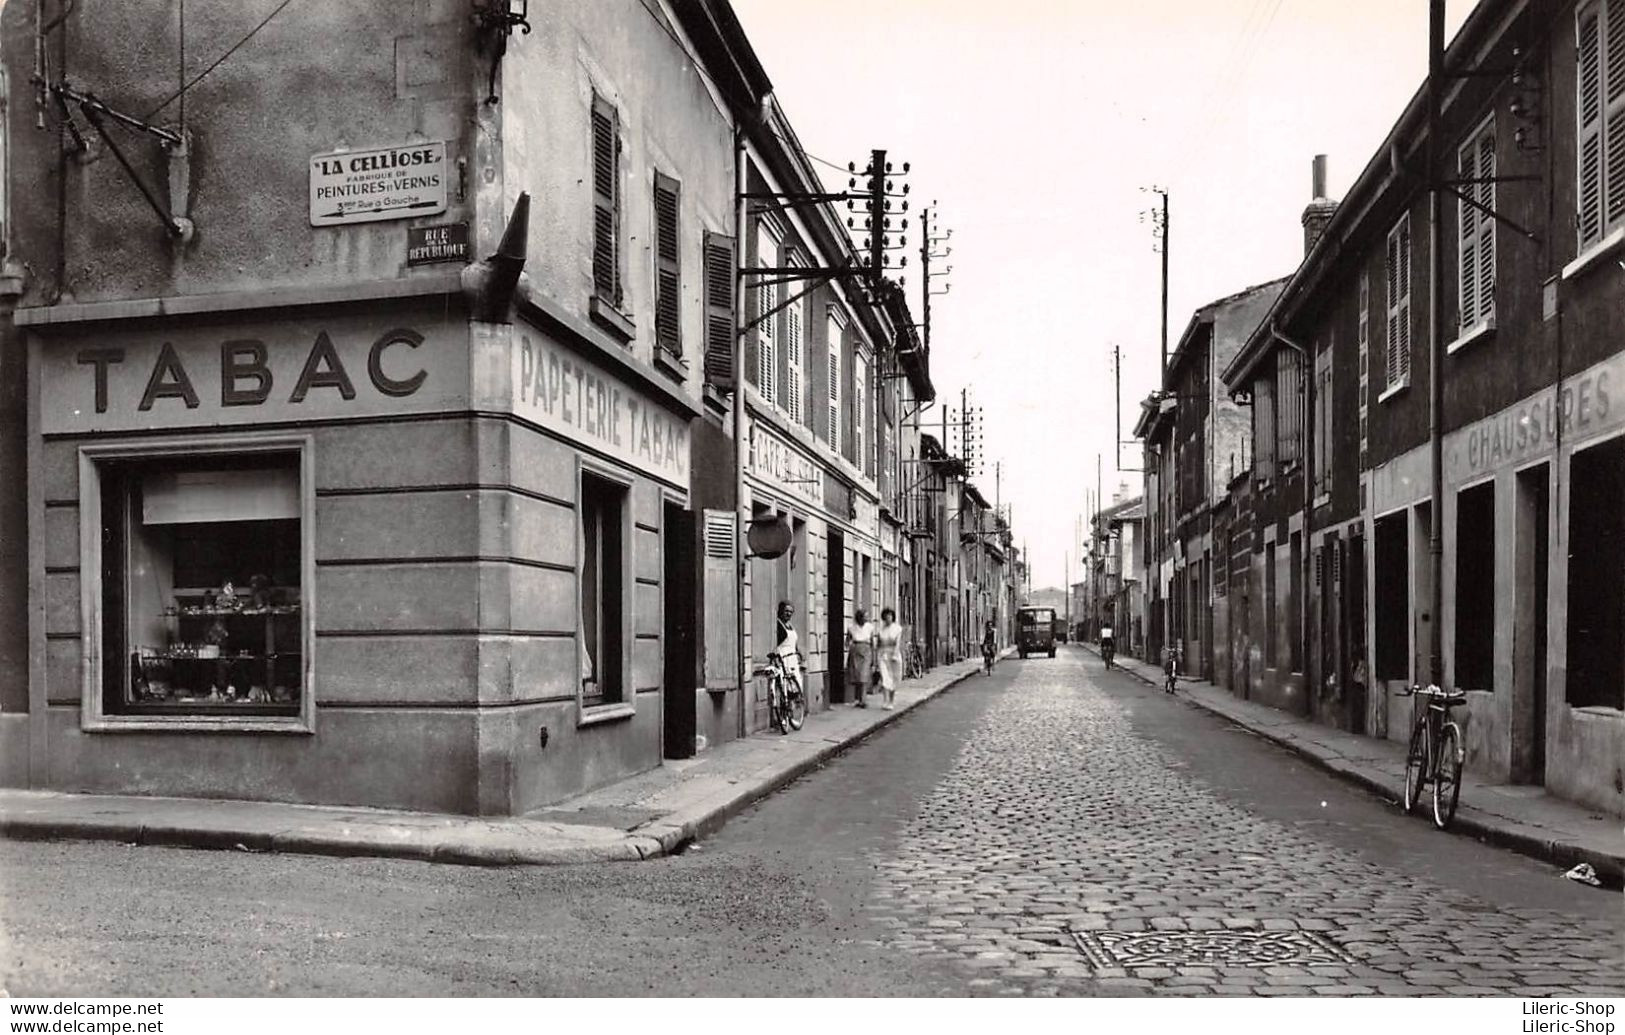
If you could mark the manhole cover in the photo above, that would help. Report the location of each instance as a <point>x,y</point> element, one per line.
<point>1245,948</point>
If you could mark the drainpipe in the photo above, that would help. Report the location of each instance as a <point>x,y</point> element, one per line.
<point>744,660</point>
<point>1435,167</point>
<point>1306,361</point>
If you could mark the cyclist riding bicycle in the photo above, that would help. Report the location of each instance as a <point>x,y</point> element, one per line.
<point>1108,644</point>
<point>990,645</point>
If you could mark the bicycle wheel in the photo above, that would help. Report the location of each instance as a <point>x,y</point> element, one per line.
<point>1447,776</point>
<point>776,710</point>
<point>795,704</point>
<point>1416,757</point>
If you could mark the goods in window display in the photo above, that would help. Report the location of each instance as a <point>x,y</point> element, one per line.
<point>223,649</point>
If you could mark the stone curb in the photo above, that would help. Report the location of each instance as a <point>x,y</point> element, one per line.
<point>658,837</point>
<point>683,827</point>
<point>1510,834</point>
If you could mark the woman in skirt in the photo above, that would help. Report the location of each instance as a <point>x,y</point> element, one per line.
<point>889,654</point>
<point>860,656</point>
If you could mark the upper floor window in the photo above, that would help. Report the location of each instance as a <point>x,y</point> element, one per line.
<point>795,356</point>
<point>1398,267</point>
<point>668,268</point>
<point>1600,118</point>
<point>1323,418</point>
<point>1475,267</point>
<point>1263,429</point>
<point>767,301</point>
<point>606,201</point>
<point>1289,399</point>
<point>834,331</point>
<point>860,393</point>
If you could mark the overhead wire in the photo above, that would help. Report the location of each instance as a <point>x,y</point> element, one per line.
<point>217,61</point>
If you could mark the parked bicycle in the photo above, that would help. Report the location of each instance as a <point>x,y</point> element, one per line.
<point>913,661</point>
<point>786,701</point>
<point>1436,752</point>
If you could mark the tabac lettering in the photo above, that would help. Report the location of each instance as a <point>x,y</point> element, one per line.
<point>375,364</point>
<point>100,359</point>
<point>323,369</point>
<point>168,380</point>
<point>239,361</point>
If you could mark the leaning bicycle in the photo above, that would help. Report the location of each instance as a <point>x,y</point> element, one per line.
<point>913,661</point>
<point>1436,752</point>
<point>786,700</point>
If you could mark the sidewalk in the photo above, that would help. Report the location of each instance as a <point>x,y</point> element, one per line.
<point>1524,819</point>
<point>641,817</point>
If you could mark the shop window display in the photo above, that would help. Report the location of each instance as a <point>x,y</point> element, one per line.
<point>202,587</point>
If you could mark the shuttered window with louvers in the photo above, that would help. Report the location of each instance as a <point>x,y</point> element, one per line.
<point>719,310</point>
<point>606,177</point>
<point>1398,268</point>
<point>795,355</point>
<point>668,268</point>
<point>1475,266</point>
<point>1365,358</point>
<point>1600,119</point>
<point>767,300</point>
<point>834,367</point>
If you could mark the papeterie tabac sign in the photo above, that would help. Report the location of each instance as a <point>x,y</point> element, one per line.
<point>561,391</point>
<point>382,183</point>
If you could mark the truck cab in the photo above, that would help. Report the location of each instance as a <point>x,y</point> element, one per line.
<point>1035,630</point>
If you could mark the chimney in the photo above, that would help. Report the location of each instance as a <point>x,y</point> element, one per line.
<point>1319,211</point>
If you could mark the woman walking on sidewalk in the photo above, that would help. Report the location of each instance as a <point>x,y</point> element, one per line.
<point>889,654</point>
<point>860,656</point>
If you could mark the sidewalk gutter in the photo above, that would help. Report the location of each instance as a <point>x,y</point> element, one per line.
<point>723,783</point>
<point>1561,848</point>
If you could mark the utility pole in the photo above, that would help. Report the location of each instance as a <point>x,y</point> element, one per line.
<point>1435,167</point>
<point>1164,194</point>
<point>925,276</point>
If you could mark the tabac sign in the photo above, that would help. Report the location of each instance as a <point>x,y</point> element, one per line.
<point>564,393</point>
<point>252,373</point>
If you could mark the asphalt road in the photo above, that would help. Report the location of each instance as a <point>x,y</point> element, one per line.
<point>1052,829</point>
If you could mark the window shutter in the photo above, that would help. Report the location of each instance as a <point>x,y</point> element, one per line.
<point>719,310</point>
<point>1589,111</point>
<point>834,376</point>
<point>767,350</point>
<point>721,602</point>
<point>1467,238</point>
<point>1405,302</point>
<point>1613,69</point>
<point>668,269</point>
<point>1486,226</point>
<point>606,272</point>
<point>795,357</point>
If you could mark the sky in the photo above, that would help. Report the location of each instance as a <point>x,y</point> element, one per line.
<point>1037,129</point>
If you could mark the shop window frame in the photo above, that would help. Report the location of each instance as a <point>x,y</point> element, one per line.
<point>626,706</point>
<point>93,460</point>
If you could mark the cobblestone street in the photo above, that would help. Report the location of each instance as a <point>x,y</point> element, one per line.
<point>1061,828</point>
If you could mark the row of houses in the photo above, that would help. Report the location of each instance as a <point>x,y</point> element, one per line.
<point>1300,470</point>
<point>431,411</point>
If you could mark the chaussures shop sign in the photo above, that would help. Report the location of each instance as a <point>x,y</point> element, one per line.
<point>252,373</point>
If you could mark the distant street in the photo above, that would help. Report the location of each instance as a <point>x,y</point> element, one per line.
<point>1035,832</point>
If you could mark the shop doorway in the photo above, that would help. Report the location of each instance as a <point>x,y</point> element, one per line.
<point>680,605</point>
<point>1529,630</point>
<point>1596,597</point>
<point>1352,584</point>
<point>835,633</point>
